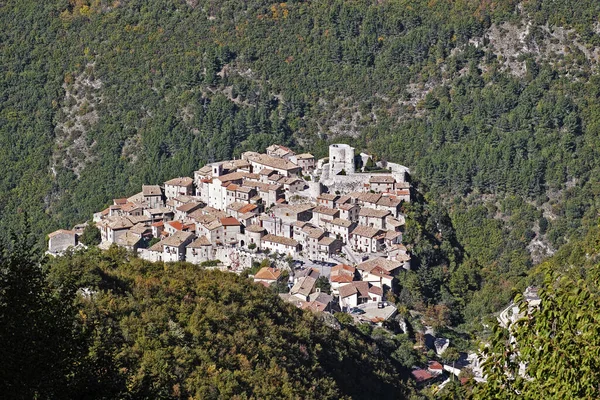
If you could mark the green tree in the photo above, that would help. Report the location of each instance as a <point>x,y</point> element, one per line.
<point>559,341</point>
<point>91,235</point>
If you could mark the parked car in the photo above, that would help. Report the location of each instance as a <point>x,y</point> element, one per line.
<point>356,311</point>
<point>381,304</point>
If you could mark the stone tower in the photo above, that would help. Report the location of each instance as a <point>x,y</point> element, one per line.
<point>341,157</point>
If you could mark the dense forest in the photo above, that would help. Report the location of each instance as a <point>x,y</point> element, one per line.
<point>104,325</point>
<point>493,106</point>
<point>97,98</point>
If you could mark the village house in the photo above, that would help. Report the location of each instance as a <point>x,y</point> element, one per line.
<point>113,227</point>
<point>159,214</point>
<point>341,275</point>
<point>328,247</point>
<point>349,211</point>
<point>292,185</point>
<point>173,226</point>
<point>366,239</point>
<point>303,288</point>
<point>267,275</point>
<point>281,166</point>
<point>152,195</point>
<point>170,249</point>
<point>382,183</point>
<point>390,204</point>
<point>183,186</point>
<point>311,242</point>
<point>358,292</point>
<point>182,212</point>
<point>199,250</point>
<point>323,215</point>
<point>391,267</point>
<point>327,200</point>
<point>61,240</point>
<point>276,150</point>
<point>373,218</point>
<point>318,302</point>
<point>129,241</point>
<point>254,234</point>
<point>279,244</point>
<point>306,161</point>
<point>341,229</point>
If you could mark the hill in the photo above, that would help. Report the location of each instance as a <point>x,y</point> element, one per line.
<point>101,325</point>
<point>489,99</point>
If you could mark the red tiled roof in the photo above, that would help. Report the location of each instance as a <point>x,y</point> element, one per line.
<point>230,221</point>
<point>247,208</point>
<point>176,224</point>
<point>421,375</point>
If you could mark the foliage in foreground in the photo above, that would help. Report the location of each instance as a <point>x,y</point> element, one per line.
<point>560,342</point>
<point>130,328</point>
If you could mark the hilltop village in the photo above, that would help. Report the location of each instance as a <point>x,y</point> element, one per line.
<point>338,218</point>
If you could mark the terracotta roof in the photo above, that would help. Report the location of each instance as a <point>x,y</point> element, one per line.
<point>344,199</point>
<point>244,189</point>
<point>117,223</point>
<point>312,272</point>
<point>280,240</point>
<point>181,181</point>
<point>326,210</point>
<point>347,291</point>
<point>347,207</point>
<point>384,263</point>
<point>382,179</point>
<point>314,233</point>
<point>390,235</point>
<point>327,241</point>
<point>236,206</point>
<point>266,172</point>
<point>272,162</point>
<point>341,222</point>
<point>389,201</point>
<point>200,242</point>
<point>342,273</point>
<point>159,223</point>
<point>394,222</point>
<point>255,228</point>
<point>369,197</point>
<point>177,225</point>
<point>120,201</point>
<point>234,176</point>
<point>380,272</point>
<point>128,239</point>
<point>248,208</point>
<point>268,273</point>
<point>230,221</point>
<point>139,229</point>
<point>177,238</point>
<point>373,213</point>
<point>184,198</point>
<point>328,197</point>
<point>187,207</point>
<point>305,156</point>
<point>304,286</point>
<point>151,190</point>
<point>365,231</point>
<point>129,207</point>
<point>61,231</point>
<point>436,366</point>
<point>421,375</point>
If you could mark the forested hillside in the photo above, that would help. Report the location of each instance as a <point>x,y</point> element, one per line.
<point>493,106</point>
<point>101,325</point>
